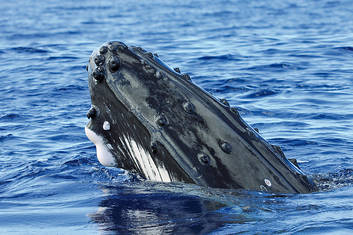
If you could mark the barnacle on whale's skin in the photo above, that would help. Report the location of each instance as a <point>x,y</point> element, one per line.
<point>151,119</point>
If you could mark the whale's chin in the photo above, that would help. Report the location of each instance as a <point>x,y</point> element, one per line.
<point>104,155</point>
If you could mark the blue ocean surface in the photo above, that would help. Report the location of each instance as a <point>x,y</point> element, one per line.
<point>286,65</point>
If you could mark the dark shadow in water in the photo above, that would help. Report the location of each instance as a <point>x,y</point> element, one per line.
<point>130,210</point>
<point>157,208</point>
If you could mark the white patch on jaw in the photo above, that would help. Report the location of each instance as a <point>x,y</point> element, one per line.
<point>145,162</point>
<point>105,157</point>
<point>106,126</point>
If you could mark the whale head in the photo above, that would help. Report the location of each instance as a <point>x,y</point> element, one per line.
<point>152,120</point>
<point>130,111</point>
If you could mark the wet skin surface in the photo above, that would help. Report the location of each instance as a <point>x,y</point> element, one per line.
<point>167,129</point>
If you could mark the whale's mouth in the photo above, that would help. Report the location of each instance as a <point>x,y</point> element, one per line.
<point>152,120</point>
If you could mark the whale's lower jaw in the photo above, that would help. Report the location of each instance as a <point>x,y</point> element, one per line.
<point>141,157</point>
<point>149,119</point>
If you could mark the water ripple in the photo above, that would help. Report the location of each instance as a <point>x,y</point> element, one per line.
<point>30,50</point>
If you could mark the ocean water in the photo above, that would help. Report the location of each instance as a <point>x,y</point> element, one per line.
<point>287,65</point>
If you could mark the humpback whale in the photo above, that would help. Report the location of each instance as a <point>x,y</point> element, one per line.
<point>152,120</point>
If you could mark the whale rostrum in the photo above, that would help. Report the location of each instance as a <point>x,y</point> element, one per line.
<point>152,120</point>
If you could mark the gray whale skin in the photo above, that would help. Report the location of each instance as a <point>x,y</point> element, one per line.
<point>152,120</point>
